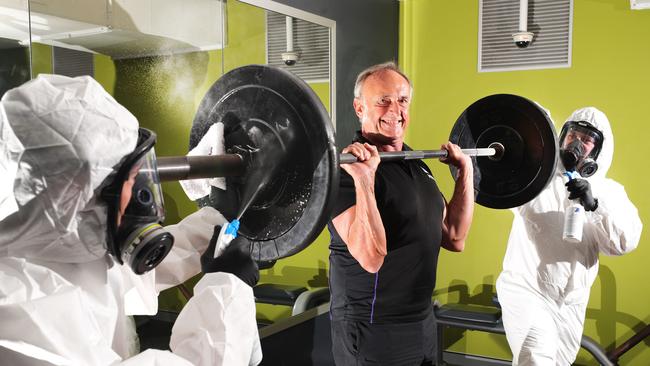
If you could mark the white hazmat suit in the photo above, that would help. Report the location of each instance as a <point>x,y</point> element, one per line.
<point>63,300</point>
<point>544,286</point>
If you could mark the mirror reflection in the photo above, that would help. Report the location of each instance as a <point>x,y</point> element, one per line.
<point>158,58</point>
<point>185,45</point>
<point>14,44</point>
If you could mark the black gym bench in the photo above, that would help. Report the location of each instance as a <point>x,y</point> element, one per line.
<point>486,319</point>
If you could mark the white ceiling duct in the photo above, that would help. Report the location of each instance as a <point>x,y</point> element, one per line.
<point>117,28</point>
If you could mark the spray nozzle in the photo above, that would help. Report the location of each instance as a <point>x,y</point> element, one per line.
<point>226,235</point>
<point>572,175</point>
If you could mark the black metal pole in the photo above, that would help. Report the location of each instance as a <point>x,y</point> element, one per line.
<point>625,346</point>
<point>174,168</point>
<point>418,154</point>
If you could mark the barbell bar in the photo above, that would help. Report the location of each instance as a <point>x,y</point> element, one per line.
<point>174,168</point>
<point>386,156</point>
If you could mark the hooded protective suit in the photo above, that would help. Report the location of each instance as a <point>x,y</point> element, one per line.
<point>544,287</point>
<point>63,300</point>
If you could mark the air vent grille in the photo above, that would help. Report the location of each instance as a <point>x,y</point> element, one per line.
<point>71,62</point>
<point>311,40</point>
<point>550,20</point>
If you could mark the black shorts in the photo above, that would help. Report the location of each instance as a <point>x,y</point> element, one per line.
<point>357,343</point>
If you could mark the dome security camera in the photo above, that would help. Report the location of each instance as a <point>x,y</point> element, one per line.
<point>290,58</point>
<point>523,39</point>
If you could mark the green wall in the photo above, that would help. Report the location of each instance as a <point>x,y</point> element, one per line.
<point>610,58</point>
<point>41,59</point>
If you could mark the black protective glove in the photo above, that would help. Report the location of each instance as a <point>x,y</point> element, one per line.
<point>235,259</point>
<point>581,189</point>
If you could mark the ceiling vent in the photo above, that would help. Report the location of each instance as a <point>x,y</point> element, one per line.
<point>310,44</point>
<point>549,20</point>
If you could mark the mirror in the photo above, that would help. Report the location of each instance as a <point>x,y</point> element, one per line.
<point>14,44</point>
<point>188,43</point>
<point>149,54</point>
<point>158,58</point>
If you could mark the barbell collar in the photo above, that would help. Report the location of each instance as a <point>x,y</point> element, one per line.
<point>174,168</point>
<point>386,156</point>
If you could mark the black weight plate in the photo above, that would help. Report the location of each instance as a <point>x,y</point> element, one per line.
<point>530,149</point>
<point>275,118</point>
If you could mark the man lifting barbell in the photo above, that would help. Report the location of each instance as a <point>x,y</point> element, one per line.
<point>283,189</point>
<point>388,225</point>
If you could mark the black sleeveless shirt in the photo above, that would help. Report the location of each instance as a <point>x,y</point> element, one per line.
<point>411,208</point>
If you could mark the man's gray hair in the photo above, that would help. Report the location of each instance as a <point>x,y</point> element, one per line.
<point>363,75</point>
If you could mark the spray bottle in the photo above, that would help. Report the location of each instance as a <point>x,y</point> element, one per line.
<point>227,234</point>
<point>574,217</point>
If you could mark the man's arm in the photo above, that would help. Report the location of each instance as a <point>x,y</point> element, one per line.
<point>360,226</point>
<point>458,212</point>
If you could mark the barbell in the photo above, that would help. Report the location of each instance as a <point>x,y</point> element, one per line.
<point>282,167</point>
<point>494,151</point>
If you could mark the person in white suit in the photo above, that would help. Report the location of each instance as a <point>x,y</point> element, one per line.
<point>545,283</point>
<point>77,253</point>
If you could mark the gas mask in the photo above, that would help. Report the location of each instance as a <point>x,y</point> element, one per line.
<point>580,144</point>
<point>136,210</point>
